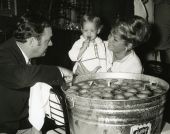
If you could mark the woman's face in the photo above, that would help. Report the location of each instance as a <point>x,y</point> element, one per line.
<point>116,44</point>
<point>89,30</point>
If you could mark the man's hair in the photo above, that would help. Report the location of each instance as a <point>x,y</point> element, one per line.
<point>31,24</point>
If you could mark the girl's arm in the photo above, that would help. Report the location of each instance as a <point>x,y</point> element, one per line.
<point>74,51</point>
<point>83,49</point>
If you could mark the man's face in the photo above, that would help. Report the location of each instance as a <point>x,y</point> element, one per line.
<point>41,46</point>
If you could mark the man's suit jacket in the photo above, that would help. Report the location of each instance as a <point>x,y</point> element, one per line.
<point>15,79</point>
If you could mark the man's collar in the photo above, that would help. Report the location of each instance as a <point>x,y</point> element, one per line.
<point>25,56</point>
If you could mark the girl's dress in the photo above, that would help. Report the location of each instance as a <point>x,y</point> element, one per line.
<point>94,55</point>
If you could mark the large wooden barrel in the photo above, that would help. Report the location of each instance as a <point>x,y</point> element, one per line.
<point>100,116</point>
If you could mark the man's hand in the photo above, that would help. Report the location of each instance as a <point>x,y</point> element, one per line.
<point>67,74</point>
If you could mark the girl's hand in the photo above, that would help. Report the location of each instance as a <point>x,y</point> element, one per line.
<point>81,69</point>
<point>85,44</point>
<point>109,70</point>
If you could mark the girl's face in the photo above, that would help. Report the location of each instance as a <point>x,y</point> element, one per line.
<point>89,30</point>
<point>116,44</point>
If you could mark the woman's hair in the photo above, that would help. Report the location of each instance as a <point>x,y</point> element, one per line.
<point>31,24</point>
<point>91,18</point>
<point>133,30</point>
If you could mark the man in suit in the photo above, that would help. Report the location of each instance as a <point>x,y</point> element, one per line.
<point>31,39</point>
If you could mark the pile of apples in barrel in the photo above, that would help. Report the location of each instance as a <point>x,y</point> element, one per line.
<point>115,89</point>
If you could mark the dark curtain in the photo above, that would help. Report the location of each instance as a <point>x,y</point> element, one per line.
<point>109,10</point>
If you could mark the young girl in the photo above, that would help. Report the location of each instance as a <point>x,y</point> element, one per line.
<point>89,50</point>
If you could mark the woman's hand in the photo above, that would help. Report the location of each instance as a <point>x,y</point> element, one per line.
<point>81,69</point>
